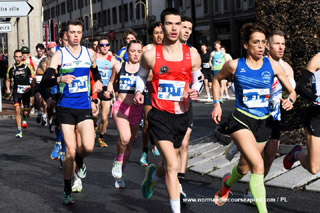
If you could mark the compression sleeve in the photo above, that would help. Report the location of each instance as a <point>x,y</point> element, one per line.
<point>141,79</point>
<point>197,81</point>
<point>302,83</point>
<point>47,80</point>
<point>95,73</point>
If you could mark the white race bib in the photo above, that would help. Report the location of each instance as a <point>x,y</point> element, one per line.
<point>38,78</point>
<point>206,65</point>
<point>256,98</point>
<point>80,84</point>
<point>21,88</point>
<point>104,74</point>
<point>127,82</point>
<point>171,90</point>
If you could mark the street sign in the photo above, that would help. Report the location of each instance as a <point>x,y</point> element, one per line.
<point>5,27</point>
<point>15,8</point>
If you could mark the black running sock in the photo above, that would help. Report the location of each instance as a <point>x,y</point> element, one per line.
<point>181,177</point>
<point>79,160</point>
<point>145,149</point>
<point>67,185</point>
<point>101,136</point>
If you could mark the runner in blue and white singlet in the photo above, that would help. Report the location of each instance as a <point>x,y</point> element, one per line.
<point>253,88</point>
<point>75,95</point>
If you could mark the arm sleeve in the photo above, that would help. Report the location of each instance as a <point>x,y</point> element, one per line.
<point>47,80</point>
<point>302,83</point>
<point>197,81</point>
<point>141,79</point>
<point>95,73</point>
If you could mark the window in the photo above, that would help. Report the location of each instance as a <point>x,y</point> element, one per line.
<point>58,10</point>
<point>125,12</point>
<point>63,8</point>
<point>216,6</point>
<point>197,2</point>
<point>75,4</point>
<point>187,3</point>
<point>137,10</point>
<point>238,4</point>
<point>114,15</point>
<point>69,6</point>
<point>226,5</point>
<point>131,10</point>
<point>94,1</point>
<point>170,3</point>
<point>104,18</point>
<point>251,3</point>
<point>120,14</point>
<point>52,12</point>
<point>205,6</point>
<point>86,2</point>
<point>108,17</point>
<point>87,22</point>
<point>80,4</point>
<point>143,9</point>
<point>46,14</point>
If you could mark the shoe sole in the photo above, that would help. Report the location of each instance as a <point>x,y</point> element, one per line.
<point>113,175</point>
<point>145,179</point>
<point>76,190</point>
<point>218,198</point>
<point>227,151</point>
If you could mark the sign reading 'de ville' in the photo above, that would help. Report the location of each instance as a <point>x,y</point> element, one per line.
<point>15,8</point>
<point>5,27</point>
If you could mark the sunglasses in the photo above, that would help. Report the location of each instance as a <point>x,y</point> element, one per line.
<point>104,45</point>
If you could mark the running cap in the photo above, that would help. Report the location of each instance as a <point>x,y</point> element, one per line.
<point>25,49</point>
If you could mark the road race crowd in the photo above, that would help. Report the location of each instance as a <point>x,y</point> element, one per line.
<point>73,89</point>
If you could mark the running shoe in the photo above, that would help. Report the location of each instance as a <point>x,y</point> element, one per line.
<point>77,184</point>
<point>289,159</point>
<point>82,172</point>
<point>102,143</point>
<point>209,99</point>
<point>183,196</point>
<point>55,152</point>
<point>222,195</point>
<point>141,123</point>
<point>39,118</point>
<point>248,197</point>
<point>231,151</point>
<point>144,159</point>
<point>32,111</point>
<point>148,184</point>
<point>24,124</point>
<point>117,169</point>
<point>67,199</point>
<point>44,121</point>
<point>51,127</point>
<point>61,156</point>
<point>19,134</point>
<point>155,151</point>
<point>119,184</point>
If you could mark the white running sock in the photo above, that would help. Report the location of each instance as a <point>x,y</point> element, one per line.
<point>155,178</point>
<point>175,205</point>
<point>44,115</point>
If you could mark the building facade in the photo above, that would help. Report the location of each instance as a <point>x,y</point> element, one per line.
<point>214,19</point>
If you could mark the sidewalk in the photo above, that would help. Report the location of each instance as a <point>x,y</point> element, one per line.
<point>7,110</point>
<point>207,157</point>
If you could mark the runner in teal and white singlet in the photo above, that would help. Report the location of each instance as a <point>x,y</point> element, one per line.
<point>217,58</point>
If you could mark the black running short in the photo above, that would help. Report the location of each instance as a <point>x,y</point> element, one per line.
<point>72,116</point>
<point>166,126</point>
<point>207,73</point>
<point>260,128</point>
<point>276,130</point>
<point>312,120</point>
<point>25,98</point>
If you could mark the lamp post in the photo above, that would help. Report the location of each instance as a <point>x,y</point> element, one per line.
<point>146,12</point>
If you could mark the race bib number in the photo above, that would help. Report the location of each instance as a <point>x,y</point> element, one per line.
<point>171,90</point>
<point>206,65</point>
<point>38,79</point>
<point>256,98</point>
<point>21,89</point>
<point>80,84</point>
<point>127,82</point>
<point>104,74</point>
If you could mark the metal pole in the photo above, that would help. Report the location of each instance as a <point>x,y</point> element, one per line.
<point>91,20</point>
<point>147,19</point>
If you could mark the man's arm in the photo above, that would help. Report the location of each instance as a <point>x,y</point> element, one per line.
<point>197,80</point>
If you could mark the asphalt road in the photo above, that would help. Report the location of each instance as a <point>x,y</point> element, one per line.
<point>31,182</point>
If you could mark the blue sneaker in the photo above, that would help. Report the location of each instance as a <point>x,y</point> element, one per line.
<point>66,198</point>
<point>148,185</point>
<point>155,151</point>
<point>144,159</point>
<point>61,156</point>
<point>231,151</point>
<point>19,134</point>
<point>55,152</point>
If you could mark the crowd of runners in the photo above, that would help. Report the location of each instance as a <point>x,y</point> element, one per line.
<point>154,85</point>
